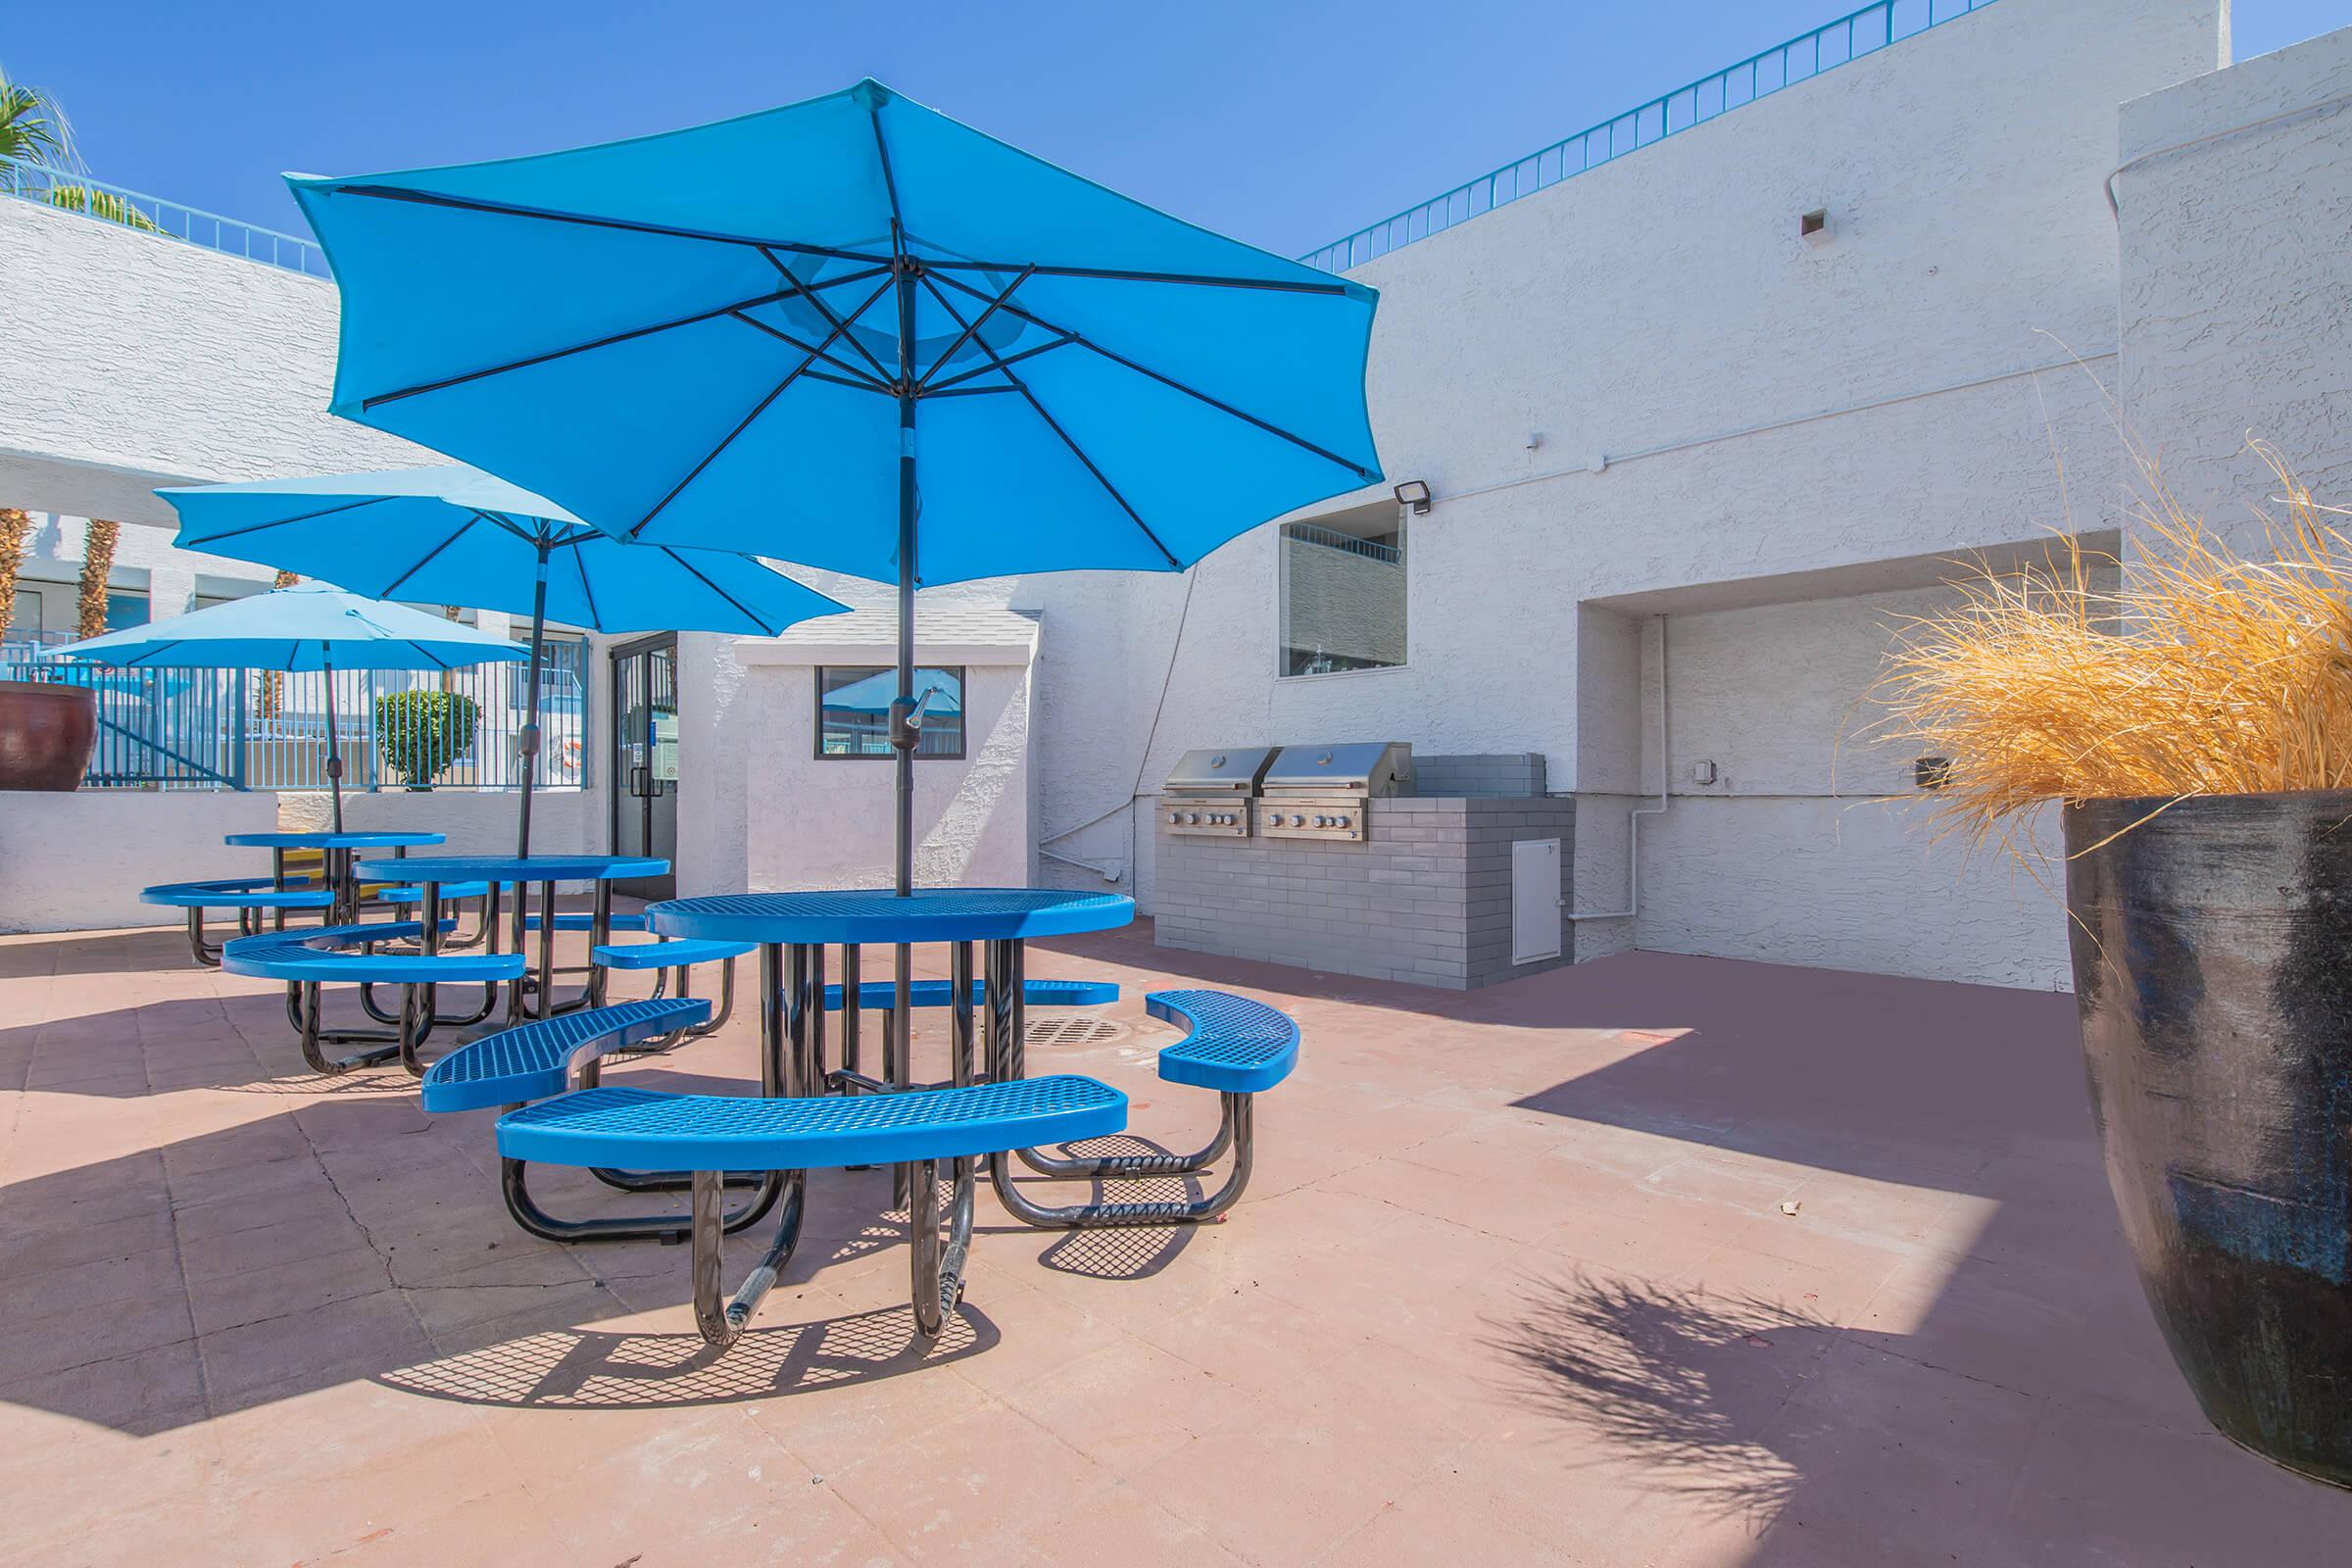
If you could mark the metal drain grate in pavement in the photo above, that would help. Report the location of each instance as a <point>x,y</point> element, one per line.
<point>1070,1032</point>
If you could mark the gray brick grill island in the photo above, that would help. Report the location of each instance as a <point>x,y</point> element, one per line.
<point>1356,860</point>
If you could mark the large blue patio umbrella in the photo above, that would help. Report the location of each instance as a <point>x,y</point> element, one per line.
<point>733,336</point>
<point>452,534</point>
<point>305,628</point>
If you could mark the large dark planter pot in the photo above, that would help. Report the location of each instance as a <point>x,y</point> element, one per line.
<point>2213,966</point>
<point>46,732</point>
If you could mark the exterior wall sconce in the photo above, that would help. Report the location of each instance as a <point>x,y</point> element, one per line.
<point>1414,493</point>
<point>1813,227</point>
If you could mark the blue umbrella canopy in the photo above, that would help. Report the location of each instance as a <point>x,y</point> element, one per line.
<point>854,333</point>
<point>709,337</point>
<point>456,535</point>
<point>452,534</point>
<point>308,627</point>
<point>305,628</point>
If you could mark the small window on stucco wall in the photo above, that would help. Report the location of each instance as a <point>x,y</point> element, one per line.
<point>853,710</point>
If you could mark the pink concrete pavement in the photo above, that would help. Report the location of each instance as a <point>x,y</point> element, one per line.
<point>1514,1284</point>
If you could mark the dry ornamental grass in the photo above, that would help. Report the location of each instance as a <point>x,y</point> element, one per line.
<point>2203,673</point>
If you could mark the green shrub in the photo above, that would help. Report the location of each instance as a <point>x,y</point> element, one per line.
<point>420,733</point>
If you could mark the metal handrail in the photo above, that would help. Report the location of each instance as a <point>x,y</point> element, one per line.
<point>96,199</point>
<point>1332,539</point>
<point>1866,32</point>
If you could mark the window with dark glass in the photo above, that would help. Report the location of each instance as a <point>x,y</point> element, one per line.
<point>853,710</point>
<point>1343,593</point>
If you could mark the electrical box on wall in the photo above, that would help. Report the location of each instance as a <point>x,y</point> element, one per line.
<point>1704,772</point>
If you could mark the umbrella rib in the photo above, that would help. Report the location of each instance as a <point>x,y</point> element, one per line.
<point>862,380</point>
<point>962,376</point>
<point>890,184</point>
<point>757,410</point>
<point>826,311</point>
<point>580,564</point>
<point>1055,425</point>
<point>1122,274</point>
<point>427,558</point>
<point>1214,402</point>
<point>577,348</point>
<point>978,321</point>
<point>281,523</point>
<point>589,221</point>
<point>748,612</point>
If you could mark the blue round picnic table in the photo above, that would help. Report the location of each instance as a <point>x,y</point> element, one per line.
<point>792,931</point>
<point>525,872</point>
<point>337,850</point>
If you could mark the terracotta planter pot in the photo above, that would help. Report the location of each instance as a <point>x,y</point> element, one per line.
<point>2213,967</point>
<point>46,732</point>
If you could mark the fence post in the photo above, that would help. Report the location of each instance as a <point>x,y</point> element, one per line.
<point>237,773</point>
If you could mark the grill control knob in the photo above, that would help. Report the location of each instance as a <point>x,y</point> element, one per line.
<point>1192,817</point>
<point>1298,822</point>
<point>1339,821</point>
<point>1322,821</point>
<point>1176,818</point>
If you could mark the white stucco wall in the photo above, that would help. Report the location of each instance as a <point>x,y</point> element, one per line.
<point>134,361</point>
<point>1765,407</point>
<point>76,861</point>
<point>2237,284</point>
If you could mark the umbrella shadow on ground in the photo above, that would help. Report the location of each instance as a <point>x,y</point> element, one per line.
<point>590,1369</point>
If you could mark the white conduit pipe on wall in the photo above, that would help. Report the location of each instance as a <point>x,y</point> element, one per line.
<point>1632,828</point>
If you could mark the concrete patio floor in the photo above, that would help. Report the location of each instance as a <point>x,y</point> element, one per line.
<point>1514,1284</point>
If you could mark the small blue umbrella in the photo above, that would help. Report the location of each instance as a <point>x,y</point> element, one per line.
<point>305,628</point>
<point>450,534</point>
<point>725,336</point>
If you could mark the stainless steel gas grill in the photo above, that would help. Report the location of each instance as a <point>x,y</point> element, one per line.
<point>1319,792</point>
<point>1208,793</point>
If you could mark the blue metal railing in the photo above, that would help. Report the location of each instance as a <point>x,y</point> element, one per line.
<point>1866,32</point>
<point>95,199</point>
<point>240,729</point>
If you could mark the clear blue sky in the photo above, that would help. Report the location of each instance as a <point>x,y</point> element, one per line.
<point>1286,122</point>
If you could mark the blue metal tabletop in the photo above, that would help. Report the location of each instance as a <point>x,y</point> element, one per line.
<point>512,869</point>
<point>878,915</point>
<point>332,840</point>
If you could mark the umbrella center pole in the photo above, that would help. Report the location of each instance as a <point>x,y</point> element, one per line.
<point>526,738</point>
<point>334,750</point>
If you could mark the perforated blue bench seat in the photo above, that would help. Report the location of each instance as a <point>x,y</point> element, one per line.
<point>583,921</point>
<point>331,953</point>
<point>878,994</point>
<point>644,1129</point>
<point>241,892</point>
<point>414,894</point>
<point>675,953</point>
<point>1236,1047</point>
<point>533,1060</point>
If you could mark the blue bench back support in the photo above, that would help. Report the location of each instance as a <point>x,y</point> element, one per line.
<point>1236,1046</point>
<point>641,1129</point>
<point>533,1060</point>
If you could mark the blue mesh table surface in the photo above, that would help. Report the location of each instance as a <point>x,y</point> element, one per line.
<point>878,915</point>
<point>332,840</point>
<point>512,869</point>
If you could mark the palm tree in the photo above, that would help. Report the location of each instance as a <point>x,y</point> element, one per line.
<point>33,129</point>
<point>97,565</point>
<point>16,526</point>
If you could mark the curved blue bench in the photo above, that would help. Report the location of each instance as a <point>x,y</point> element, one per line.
<point>248,895</point>
<point>239,892</point>
<point>710,1135</point>
<point>878,996</point>
<point>582,920</point>
<point>305,961</point>
<point>1232,1044</point>
<point>333,953</point>
<point>414,893</point>
<point>676,952</point>
<point>536,1059</point>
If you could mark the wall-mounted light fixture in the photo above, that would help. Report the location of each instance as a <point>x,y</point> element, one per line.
<point>1414,493</point>
<point>1813,227</point>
